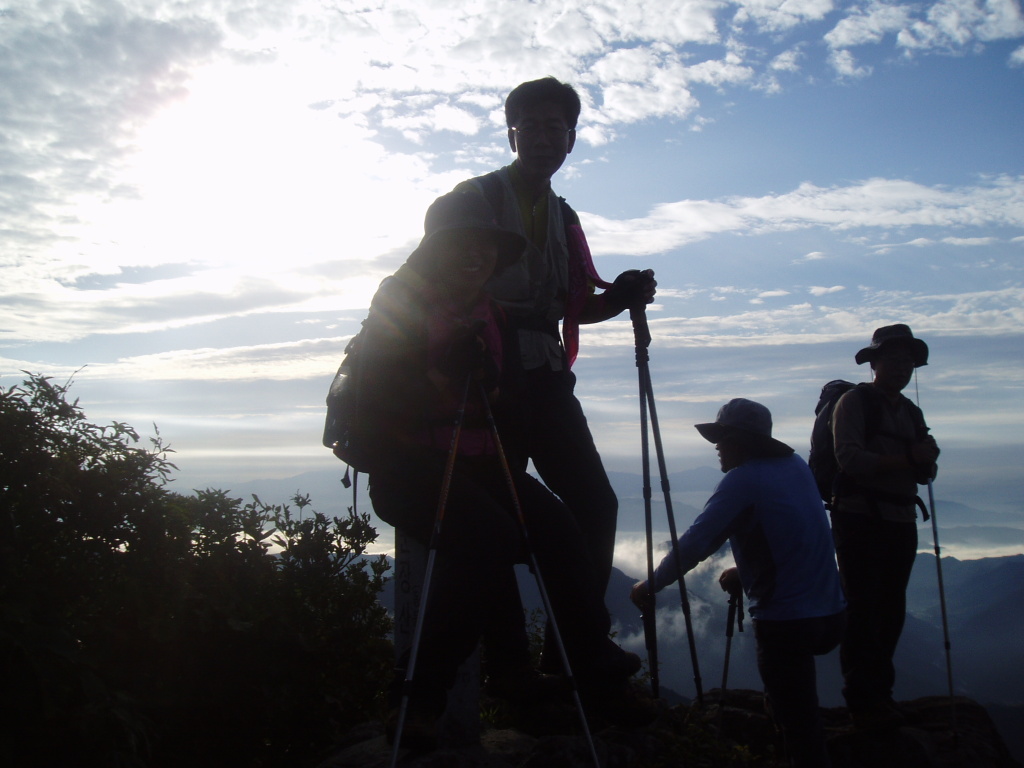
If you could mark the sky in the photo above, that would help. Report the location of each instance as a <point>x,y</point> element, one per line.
<point>198,199</point>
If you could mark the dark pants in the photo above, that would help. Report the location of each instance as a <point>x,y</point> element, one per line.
<point>480,540</point>
<point>875,559</point>
<point>555,434</point>
<point>785,659</point>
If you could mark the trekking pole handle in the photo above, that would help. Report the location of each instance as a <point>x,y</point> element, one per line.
<point>641,332</point>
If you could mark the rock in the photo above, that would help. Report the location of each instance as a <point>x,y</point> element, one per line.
<point>927,740</point>
<point>733,731</point>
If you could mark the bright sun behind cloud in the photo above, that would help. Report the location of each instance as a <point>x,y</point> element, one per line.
<point>244,181</point>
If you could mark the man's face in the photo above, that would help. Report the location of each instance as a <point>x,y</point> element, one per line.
<point>894,367</point>
<point>541,138</point>
<point>729,454</point>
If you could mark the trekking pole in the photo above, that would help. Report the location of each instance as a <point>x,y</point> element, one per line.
<point>431,556</point>
<point>642,338</point>
<point>735,605</point>
<point>735,616</point>
<point>942,589</point>
<point>942,605</point>
<point>535,569</point>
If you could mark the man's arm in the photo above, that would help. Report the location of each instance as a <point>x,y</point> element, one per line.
<point>633,288</point>
<point>708,532</point>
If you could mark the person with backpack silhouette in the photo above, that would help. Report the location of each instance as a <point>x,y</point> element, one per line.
<point>434,347</point>
<point>882,451</point>
<point>555,283</point>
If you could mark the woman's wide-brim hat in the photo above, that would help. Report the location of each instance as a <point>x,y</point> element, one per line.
<point>459,212</point>
<point>747,421</point>
<point>891,335</point>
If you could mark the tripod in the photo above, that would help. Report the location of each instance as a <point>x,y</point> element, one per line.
<point>642,340</point>
<point>535,570</point>
<point>532,562</point>
<point>431,557</point>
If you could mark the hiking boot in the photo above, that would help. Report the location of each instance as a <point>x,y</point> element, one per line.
<point>527,686</point>
<point>877,717</point>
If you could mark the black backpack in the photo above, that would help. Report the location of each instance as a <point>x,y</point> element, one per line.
<point>822,457</point>
<point>351,429</point>
<point>344,427</point>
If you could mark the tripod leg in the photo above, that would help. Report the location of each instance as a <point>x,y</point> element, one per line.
<point>535,569</point>
<point>425,594</point>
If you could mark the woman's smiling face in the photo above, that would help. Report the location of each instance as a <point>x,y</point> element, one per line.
<point>467,262</point>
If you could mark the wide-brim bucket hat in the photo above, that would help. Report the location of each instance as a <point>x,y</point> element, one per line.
<point>459,212</point>
<point>889,335</point>
<point>747,421</point>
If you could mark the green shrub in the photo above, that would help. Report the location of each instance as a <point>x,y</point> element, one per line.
<point>142,627</point>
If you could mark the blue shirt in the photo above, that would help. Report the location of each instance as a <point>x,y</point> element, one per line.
<point>772,515</point>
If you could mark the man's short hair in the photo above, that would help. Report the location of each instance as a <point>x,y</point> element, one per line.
<point>538,91</point>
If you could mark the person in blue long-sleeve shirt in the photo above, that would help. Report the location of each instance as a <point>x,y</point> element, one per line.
<point>769,508</point>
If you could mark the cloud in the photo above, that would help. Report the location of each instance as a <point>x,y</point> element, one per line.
<point>675,22</point>
<point>983,313</point>
<point>50,299</point>
<point>990,313</point>
<point>435,119</point>
<point>820,290</point>
<point>925,242</point>
<point>812,256</point>
<point>641,81</point>
<point>787,61</point>
<point>969,241</point>
<point>868,25</point>
<point>872,204</point>
<point>948,25</point>
<point>77,82</point>
<point>955,24</point>
<point>83,86</point>
<point>845,65</point>
<point>777,15</point>
<point>284,361</point>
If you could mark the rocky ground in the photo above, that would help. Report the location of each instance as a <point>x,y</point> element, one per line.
<point>734,733</point>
